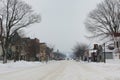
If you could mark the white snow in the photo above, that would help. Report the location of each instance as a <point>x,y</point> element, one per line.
<point>60,70</point>
<point>13,66</point>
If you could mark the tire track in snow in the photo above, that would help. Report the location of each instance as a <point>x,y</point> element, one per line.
<point>52,75</point>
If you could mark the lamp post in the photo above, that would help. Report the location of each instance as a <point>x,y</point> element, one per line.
<point>104,54</point>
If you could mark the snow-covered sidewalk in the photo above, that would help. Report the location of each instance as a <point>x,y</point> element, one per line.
<point>60,70</point>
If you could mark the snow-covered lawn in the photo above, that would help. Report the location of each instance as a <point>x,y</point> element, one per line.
<point>60,70</point>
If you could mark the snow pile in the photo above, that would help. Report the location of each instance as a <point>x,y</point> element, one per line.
<point>113,61</point>
<point>104,71</point>
<point>21,64</point>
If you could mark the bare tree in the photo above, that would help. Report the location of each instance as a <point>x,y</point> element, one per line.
<point>79,50</point>
<point>15,14</point>
<point>49,51</point>
<point>104,20</point>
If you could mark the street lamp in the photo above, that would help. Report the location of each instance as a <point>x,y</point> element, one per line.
<point>104,54</point>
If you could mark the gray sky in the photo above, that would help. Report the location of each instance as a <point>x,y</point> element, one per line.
<point>62,23</point>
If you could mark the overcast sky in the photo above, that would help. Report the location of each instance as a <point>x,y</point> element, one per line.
<point>62,22</point>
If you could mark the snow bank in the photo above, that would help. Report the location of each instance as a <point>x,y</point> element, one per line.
<point>110,70</point>
<point>13,66</point>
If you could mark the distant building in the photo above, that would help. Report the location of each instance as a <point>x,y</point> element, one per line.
<point>43,47</point>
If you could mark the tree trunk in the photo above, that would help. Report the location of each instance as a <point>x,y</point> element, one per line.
<point>5,56</point>
<point>4,51</point>
<point>4,59</point>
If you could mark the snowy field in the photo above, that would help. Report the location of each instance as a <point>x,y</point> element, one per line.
<point>60,70</point>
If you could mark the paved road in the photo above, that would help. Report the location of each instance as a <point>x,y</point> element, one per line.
<point>63,70</point>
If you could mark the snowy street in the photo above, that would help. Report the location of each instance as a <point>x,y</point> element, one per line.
<point>62,70</point>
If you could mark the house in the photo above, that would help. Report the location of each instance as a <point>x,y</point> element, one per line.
<point>104,52</point>
<point>43,55</point>
<point>32,49</point>
<point>116,53</point>
<point>25,48</point>
<point>109,54</point>
<point>96,53</point>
